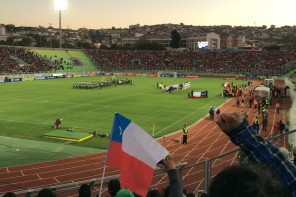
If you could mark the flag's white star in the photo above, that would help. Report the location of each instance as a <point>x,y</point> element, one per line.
<point>120,130</point>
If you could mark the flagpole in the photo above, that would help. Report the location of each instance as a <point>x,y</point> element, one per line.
<point>103,175</point>
<point>106,159</point>
<point>153,127</point>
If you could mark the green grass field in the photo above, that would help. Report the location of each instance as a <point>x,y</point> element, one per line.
<point>29,109</point>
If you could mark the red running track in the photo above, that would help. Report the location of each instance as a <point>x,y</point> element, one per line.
<point>205,140</point>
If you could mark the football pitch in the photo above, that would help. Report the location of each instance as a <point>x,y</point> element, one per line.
<point>29,109</point>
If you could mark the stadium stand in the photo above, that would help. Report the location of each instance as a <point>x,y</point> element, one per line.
<point>21,60</point>
<point>239,62</point>
<point>276,63</point>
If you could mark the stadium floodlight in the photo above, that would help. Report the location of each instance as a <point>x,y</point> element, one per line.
<point>60,5</point>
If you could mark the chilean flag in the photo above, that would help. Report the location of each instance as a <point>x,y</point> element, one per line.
<point>135,153</point>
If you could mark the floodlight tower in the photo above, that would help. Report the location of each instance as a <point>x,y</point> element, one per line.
<point>60,5</point>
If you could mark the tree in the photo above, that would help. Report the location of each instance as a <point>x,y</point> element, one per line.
<point>148,46</point>
<point>84,45</point>
<point>175,39</point>
<point>26,41</point>
<point>95,35</point>
<point>128,46</point>
<point>10,41</point>
<point>289,41</point>
<point>55,43</point>
<point>103,46</point>
<point>2,42</point>
<point>41,40</point>
<point>114,47</point>
<point>272,47</point>
<point>110,39</point>
<point>10,28</point>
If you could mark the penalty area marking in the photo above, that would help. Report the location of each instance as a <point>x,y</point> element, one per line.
<point>183,118</point>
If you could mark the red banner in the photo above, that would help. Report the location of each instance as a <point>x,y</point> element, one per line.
<point>152,75</point>
<point>130,74</point>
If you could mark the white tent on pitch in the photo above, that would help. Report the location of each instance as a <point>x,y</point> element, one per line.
<point>262,92</point>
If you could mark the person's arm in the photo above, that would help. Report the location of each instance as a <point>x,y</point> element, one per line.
<point>175,189</point>
<point>260,151</point>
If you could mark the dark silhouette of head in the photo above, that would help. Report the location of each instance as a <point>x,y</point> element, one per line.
<point>246,181</point>
<point>153,193</point>
<point>190,194</point>
<point>9,194</point>
<point>113,187</point>
<point>46,192</point>
<point>84,190</point>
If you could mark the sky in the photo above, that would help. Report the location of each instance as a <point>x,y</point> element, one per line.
<point>98,14</point>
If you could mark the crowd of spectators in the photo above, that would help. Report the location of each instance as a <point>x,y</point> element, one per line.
<point>242,62</point>
<point>146,60</point>
<point>21,60</point>
<point>255,62</point>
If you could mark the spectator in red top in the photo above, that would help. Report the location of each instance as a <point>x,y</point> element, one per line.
<point>276,128</point>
